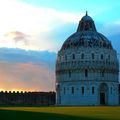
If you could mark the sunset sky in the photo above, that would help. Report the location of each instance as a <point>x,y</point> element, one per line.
<point>32,31</point>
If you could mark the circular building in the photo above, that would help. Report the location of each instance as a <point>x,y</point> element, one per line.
<point>87,68</point>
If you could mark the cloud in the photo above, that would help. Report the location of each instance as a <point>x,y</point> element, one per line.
<point>42,24</point>
<point>27,70</point>
<point>26,76</point>
<point>22,56</point>
<point>18,37</point>
<point>38,22</point>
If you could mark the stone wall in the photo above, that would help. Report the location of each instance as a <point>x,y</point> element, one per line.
<point>27,98</point>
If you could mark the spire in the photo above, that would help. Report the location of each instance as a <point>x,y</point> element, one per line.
<point>86,13</point>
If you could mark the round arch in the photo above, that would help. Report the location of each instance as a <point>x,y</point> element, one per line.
<point>103,94</point>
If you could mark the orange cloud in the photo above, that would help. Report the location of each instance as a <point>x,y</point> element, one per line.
<point>18,36</point>
<point>26,76</point>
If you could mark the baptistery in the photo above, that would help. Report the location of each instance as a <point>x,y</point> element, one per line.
<point>87,68</point>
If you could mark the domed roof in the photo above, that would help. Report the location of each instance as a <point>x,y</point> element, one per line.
<point>86,17</point>
<point>86,36</point>
<point>87,39</point>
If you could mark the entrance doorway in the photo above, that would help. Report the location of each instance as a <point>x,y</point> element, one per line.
<point>103,93</point>
<point>102,98</point>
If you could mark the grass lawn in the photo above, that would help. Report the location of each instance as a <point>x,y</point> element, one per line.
<point>59,113</point>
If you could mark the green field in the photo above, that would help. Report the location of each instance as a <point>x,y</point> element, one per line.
<point>59,113</point>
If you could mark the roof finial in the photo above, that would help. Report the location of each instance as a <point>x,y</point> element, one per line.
<point>86,13</point>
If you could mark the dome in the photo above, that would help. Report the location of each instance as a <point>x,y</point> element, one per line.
<point>86,18</point>
<point>87,39</point>
<point>86,36</point>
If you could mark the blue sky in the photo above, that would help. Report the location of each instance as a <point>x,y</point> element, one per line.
<point>45,24</point>
<point>32,31</point>
<point>110,8</point>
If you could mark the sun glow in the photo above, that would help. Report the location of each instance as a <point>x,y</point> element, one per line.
<point>18,90</point>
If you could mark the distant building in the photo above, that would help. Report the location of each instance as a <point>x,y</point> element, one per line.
<point>27,98</point>
<point>87,68</point>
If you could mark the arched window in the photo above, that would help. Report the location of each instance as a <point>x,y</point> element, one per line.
<point>64,90</point>
<point>86,26</point>
<point>86,73</point>
<point>108,57</point>
<point>101,56</point>
<point>82,56</point>
<point>72,90</point>
<point>82,90</point>
<point>81,25</point>
<point>93,56</point>
<point>111,90</point>
<point>102,73</point>
<point>69,73</point>
<point>65,57</point>
<point>93,90</point>
<point>91,26</point>
<point>73,56</point>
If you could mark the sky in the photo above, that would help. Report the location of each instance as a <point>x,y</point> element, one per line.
<point>31,30</point>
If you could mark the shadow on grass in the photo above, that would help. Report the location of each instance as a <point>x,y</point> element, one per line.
<point>25,115</point>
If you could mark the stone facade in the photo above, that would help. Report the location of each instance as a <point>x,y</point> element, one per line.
<point>27,98</point>
<point>87,68</point>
